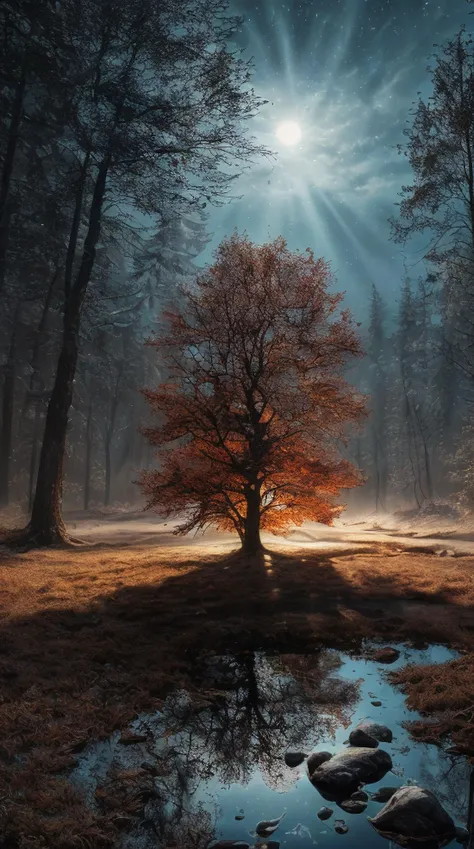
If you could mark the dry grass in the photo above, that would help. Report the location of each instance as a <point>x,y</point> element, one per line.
<point>90,637</point>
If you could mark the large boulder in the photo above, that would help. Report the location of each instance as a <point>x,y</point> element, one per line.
<point>316,759</point>
<point>344,773</point>
<point>414,814</point>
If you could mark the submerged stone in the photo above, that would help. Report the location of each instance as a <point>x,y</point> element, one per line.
<point>353,806</point>
<point>383,794</point>
<point>360,795</point>
<point>343,774</point>
<point>414,814</point>
<point>325,813</point>
<point>266,827</point>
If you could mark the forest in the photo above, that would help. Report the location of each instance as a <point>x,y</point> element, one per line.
<point>235,485</point>
<point>114,252</point>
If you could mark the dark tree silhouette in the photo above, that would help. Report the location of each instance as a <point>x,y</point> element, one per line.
<point>158,105</point>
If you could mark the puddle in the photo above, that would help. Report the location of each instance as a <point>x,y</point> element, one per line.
<point>210,765</point>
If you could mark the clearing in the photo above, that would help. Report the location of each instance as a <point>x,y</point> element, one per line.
<point>92,636</point>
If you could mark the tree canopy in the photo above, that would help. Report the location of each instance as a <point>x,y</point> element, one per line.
<point>256,403</point>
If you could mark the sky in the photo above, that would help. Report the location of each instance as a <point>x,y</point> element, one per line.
<point>347,72</point>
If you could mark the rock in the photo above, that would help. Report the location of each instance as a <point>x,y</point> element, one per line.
<point>360,796</point>
<point>375,729</point>
<point>294,758</point>
<point>383,794</point>
<point>231,844</point>
<point>376,703</point>
<point>462,834</point>
<point>386,655</point>
<point>316,759</point>
<point>325,813</point>
<point>151,768</point>
<point>122,822</point>
<point>414,813</point>
<point>340,827</point>
<point>343,774</point>
<point>359,738</point>
<point>266,827</point>
<point>353,806</point>
<point>128,738</point>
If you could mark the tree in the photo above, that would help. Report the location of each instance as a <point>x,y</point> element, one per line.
<point>158,110</point>
<point>256,403</point>
<point>378,392</point>
<point>440,201</point>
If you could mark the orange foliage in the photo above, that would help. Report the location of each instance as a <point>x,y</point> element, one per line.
<point>256,404</point>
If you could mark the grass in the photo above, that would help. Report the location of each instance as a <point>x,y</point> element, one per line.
<point>92,636</point>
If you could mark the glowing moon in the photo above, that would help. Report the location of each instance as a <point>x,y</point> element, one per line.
<point>289,133</point>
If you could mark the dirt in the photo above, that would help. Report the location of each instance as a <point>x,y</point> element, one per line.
<point>93,635</point>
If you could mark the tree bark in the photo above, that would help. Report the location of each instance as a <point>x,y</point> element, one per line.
<point>7,171</point>
<point>7,415</point>
<point>34,456</point>
<point>87,471</point>
<point>252,543</point>
<point>107,444</point>
<point>46,525</point>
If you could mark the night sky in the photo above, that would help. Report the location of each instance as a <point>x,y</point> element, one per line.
<point>347,71</point>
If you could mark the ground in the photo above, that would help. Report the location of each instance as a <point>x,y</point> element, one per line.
<point>94,634</point>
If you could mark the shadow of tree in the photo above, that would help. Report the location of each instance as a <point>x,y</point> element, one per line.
<point>74,673</point>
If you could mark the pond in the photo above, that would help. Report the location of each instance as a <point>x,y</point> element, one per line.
<point>210,765</point>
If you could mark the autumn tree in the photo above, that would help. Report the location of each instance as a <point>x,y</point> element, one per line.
<point>256,405</point>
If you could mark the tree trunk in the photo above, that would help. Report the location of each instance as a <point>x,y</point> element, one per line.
<point>107,443</point>
<point>252,542</point>
<point>87,472</point>
<point>7,416</point>
<point>46,526</point>
<point>7,171</point>
<point>377,470</point>
<point>34,456</point>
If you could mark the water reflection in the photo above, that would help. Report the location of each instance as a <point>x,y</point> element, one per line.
<point>213,759</point>
<point>254,708</point>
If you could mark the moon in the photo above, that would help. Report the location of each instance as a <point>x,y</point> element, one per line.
<point>289,133</point>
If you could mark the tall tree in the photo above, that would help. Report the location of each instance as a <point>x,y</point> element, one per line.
<point>440,200</point>
<point>256,402</point>
<point>159,105</point>
<point>378,392</point>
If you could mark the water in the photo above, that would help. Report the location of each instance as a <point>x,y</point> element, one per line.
<point>219,753</point>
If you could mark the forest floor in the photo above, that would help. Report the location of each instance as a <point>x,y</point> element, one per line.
<point>93,635</point>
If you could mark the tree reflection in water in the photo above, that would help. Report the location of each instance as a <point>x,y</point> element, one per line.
<point>248,710</point>
<point>242,715</point>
